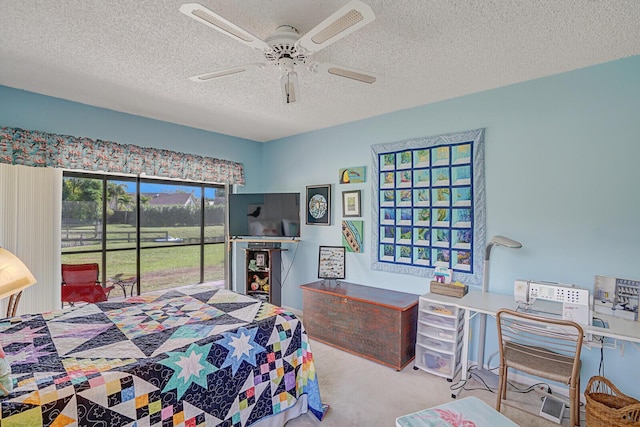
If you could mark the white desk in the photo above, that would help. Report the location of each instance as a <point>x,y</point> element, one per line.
<point>489,303</point>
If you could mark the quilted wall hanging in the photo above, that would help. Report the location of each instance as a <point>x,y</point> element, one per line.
<point>429,205</point>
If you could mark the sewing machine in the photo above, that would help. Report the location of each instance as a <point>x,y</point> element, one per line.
<point>576,305</point>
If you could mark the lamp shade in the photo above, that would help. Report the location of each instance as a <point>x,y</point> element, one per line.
<point>505,241</point>
<point>14,275</point>
<point>500,241</point>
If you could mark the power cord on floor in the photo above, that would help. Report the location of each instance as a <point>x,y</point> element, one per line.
<point>478,378</point>
<point>530,388</point>
<point>462,384</point>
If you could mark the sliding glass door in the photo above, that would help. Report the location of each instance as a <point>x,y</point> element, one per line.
<point>146,234</point>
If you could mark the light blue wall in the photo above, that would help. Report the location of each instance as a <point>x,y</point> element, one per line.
<point>28,110</point>
<point>562,175</point>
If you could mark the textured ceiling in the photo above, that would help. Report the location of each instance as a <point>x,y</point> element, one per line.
<point>136,56</point>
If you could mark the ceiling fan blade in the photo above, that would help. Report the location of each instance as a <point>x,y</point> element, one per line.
<point>349,18</point>
<point>346,72</point>
<point>217,22</point>
<point>227,72</point>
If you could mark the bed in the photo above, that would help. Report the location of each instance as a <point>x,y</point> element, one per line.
<point>194,356</point>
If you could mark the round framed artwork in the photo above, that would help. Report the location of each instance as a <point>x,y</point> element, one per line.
<point>319,204</point>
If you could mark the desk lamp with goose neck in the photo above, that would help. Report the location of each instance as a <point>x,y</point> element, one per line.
<point>488,377</point>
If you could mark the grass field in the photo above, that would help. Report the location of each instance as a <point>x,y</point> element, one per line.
<point>163,264</point>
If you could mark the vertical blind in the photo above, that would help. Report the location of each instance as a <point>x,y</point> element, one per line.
<point>30,216</point>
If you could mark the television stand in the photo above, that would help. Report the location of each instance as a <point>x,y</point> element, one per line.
<point>263,276</point>
<point>264,244</point>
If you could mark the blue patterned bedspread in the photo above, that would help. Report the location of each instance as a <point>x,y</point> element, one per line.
<point>197,356</point>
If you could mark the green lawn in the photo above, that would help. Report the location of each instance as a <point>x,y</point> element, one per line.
<point>163,264</point>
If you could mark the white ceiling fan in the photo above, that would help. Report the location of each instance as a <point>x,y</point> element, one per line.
<point>285,48</point>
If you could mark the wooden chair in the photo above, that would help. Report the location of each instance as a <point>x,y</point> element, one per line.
<point>80,284</point>
<point>543,347</point>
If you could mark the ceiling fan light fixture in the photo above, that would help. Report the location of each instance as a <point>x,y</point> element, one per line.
<point>290,87</point>
<point>354,75</point>
<point>285,49</point>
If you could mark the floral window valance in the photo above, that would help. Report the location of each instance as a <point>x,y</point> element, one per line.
<point>42,149</point>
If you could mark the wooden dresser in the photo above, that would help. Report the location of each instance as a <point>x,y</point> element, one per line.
<point>377,324</point>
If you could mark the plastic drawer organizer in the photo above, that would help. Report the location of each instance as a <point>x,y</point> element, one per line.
<point>439,338</point>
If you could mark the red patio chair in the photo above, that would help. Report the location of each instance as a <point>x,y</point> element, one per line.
<point>80,284</point>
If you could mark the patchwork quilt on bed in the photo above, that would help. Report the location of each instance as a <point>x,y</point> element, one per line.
<point>197,356</point>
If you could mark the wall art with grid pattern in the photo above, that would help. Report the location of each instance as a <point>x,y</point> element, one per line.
<point>429,205</point>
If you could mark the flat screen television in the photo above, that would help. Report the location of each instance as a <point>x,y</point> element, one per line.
<point>264,215</point>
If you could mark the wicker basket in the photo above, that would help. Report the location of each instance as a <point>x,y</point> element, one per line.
<point>609,407</point>
<point>448,289</point>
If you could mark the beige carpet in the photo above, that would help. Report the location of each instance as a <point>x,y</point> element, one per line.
<point>365,393</point>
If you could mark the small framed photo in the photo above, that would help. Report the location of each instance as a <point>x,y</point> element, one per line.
<point>331,262</point>
<point>351,203</point>
<point>261,260</point>
<point>319,204</point>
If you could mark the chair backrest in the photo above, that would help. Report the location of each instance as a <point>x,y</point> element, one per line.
<point>80,274</point>
<point>539,335</point>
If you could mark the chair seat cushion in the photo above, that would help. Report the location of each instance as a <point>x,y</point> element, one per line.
<point>539,361</point>
<point>84,293</point>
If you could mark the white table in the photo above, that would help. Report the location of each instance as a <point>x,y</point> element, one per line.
<point>478,302</point>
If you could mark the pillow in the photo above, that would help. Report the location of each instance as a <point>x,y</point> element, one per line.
<point>264,228</point>
<point>291,228</point>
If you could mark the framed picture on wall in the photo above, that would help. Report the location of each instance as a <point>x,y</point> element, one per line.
<point>331,262</point>
<point>319,204</point>
<point>352,175</point>
<point>351,203</point>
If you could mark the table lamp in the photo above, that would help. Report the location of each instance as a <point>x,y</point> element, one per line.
<point>488,377</point>
<point>15,277</point>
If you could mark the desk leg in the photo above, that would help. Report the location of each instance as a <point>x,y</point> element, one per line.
<point>465,343</point>
<point>464,375</point>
